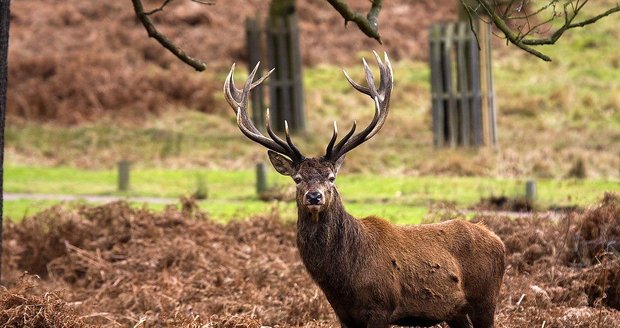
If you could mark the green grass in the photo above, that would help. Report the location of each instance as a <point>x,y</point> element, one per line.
<point>16,210</point>
<point>239,185</point>
<point>402,199</point>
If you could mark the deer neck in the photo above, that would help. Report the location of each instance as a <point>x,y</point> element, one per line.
<point>328,242</point>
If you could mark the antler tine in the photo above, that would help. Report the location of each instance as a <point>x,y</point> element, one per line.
<point>292,151</point>
<point>381,99</point>
<point>382,83</point>
<point>347,136</point>
<point>238,100</point>
<point>357,86</point>
<point>249,82</point>
<point>257,137</point>
<point>332,141</point>
<point>270,132</point>
<point>385,87</point>
<point>291,144</point>
<point>230,92</point>
<point>370,79</point>
<point>359,138</point>
<point>259,81</point>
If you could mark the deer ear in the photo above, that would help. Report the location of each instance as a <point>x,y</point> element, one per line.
<point>282,164</point>
<point>338,163</point>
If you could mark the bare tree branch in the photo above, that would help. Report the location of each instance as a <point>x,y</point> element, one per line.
<point>162,39</point>
<point>557,34</point>
<point>369,25</point>
<point>511,17</point>
<point>522,35</point>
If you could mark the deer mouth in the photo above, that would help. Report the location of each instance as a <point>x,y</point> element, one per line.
<point>314,207</point>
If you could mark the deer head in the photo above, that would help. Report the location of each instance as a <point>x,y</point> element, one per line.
<point>314,177</point>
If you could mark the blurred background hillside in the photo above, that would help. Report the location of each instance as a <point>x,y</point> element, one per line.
<point>73,61</point>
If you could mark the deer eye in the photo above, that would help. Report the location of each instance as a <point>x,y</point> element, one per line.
<point>331,178</point>
<point>297,179</point>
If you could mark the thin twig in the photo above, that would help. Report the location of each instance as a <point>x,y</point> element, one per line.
<point>162,39</point>
<point>522,38</point>
<point>161,8</point>
<point>471,22</point>
<point>204,2</point>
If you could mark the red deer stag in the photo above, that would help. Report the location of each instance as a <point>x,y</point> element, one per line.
<point>373,273</point>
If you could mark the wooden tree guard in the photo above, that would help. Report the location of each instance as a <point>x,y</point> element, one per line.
<point>286,82</point>
<point>285,86</point>
<point>463,105</point>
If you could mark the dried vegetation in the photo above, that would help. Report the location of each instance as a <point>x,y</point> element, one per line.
<point>116,266</point>
<point>78,60</point>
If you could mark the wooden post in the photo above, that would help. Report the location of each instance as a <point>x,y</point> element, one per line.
<point>478,138</point>
<point>530,190</point>
<point>436,86</point>
<point>463,85</point>
<point>488,69</point>
<point>261,178</point>
<point>124,167</point>
<point>451,112</point>
<point>5,6</point>
<point>484,83</point>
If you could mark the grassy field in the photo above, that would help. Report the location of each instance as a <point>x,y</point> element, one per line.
<point>558,122</point>
<point>231,194</point>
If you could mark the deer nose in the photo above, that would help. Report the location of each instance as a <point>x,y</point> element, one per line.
<point>314,197</point>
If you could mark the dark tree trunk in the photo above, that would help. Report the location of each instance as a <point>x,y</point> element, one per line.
<point>281,9</point>
<point>4,72</point>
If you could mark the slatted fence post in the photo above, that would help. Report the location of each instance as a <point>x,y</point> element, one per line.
<point>285,86</point>
<point>474,69</point>
<point>463,104</point>
<point>488,70</point>
<point>448,81</point>
<point>463,84</point>
<point>253,39</point>
<point>437,92</point>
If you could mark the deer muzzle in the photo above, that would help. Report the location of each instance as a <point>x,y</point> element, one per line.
<point>314,200</point>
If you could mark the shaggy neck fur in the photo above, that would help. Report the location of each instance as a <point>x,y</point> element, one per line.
<point>329,246</point>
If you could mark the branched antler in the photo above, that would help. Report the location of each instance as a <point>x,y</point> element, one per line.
<point>381,97</point>
<point>513,20</point>
<point>238,101</point>
<point>369,25</point>
<point>153,32</point>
